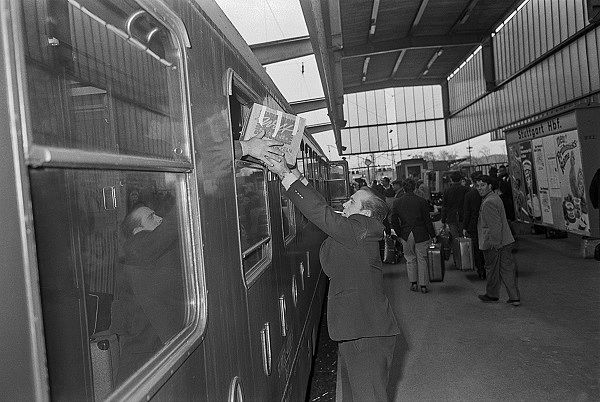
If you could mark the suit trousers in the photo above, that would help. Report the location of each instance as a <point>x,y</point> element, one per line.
<point>416,260</point>
<point>501,269</point>
<point>364,368</point>
<point>456,230</point>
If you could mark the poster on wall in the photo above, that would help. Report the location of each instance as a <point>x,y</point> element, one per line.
<point>532,199</point>
<point>518,186</point>
<point>572,184</point>
<point>542,180</point>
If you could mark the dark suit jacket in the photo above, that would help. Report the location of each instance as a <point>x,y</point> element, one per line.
<point>471,210</point>
<point>410,213</point>
<point>357,306</point>
<point>453,202</point>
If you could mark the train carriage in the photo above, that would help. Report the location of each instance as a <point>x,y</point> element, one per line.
<point>141,257</point>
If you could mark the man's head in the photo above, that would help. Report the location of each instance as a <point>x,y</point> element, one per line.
<point>484,185</point>
<point>455,177</point>
<point>397,185</point>
<point>366,202</point>
<point>475,175</point>
<point>385,181</point>
<point>501,171</point>
<point>360,182</point>
<point>409,185</point>
<point>140,219</point>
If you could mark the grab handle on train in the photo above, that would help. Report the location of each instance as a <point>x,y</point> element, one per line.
<point>282,315</point>
<point>265,337</point>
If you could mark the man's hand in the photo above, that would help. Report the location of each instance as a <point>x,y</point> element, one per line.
<point>279,167</point>
<point>263,149</point>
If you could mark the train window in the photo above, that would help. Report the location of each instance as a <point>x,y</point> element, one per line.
<point>253,216</point>
<point>112,269</point>
<point>104,76</point>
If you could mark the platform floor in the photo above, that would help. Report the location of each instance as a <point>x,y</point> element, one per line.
<point>460,349</point>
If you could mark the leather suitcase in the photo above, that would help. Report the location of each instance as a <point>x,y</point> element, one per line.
<point>435,262</point>
<point>464,259</point>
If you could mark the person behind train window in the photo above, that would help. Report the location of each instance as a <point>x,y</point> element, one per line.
<point>411,221</point>
<point>149,306</point>
<point>496,242</point>
<point>471,217</point>
<point>359,315</point>
<point>453,201</point>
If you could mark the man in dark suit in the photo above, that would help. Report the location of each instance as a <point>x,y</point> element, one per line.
<point>453,201</point>
<point>471,217</point>
<point>411,221</point>
<point>359,315</point>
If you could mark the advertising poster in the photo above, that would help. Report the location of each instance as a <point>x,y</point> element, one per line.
<point>516,180</point>
<point>532,198</point>
<point>542,180</point>
<point>552,166</point>
<point>572,185</point>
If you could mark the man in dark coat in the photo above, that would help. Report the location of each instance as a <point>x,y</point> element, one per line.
<point>471,216</point>
<point>412,222</point>
<point>453,201</point>
<point>388,191</point>
<point>359,315</point>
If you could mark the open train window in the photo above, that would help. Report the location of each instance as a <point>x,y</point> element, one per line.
<point>110,172</point>
<point>251,189</point>
<point>104,77</point>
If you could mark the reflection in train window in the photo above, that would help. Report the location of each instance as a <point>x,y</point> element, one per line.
<point>103,77</point>
<point>253,214</point>
<point>288,218</point>
<point>112,273</point>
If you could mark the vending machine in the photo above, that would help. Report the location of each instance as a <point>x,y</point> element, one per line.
<point>551,164</point>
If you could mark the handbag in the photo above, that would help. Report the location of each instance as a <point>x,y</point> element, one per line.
<point>392,250</point>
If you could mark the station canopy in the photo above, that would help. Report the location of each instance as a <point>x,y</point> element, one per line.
<point>384,65</point>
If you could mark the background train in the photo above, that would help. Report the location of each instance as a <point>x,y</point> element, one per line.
<point>112,104</point>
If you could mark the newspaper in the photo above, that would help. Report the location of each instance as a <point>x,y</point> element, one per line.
<point>276,125</point>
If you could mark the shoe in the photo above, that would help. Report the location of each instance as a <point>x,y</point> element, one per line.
<point>487,299</point>
<point>515,303</point>
<point>423,289</point>
<point>413,287</point>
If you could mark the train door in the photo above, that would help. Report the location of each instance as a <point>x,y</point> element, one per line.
<point>111,186</point>
<point>256,225</point>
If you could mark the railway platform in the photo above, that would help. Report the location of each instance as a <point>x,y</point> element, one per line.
<point>456,348</point>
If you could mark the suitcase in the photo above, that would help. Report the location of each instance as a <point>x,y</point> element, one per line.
<point>464,259</point>
<point>445,240</point>
<point>435,262</point>
<point>104,351</point>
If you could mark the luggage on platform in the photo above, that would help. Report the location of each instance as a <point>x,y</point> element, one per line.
<point>435,262</point>
<point>445,239</point>
<point>464,259</point>
<point>392,251</point>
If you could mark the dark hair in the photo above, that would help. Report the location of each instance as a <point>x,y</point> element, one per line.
<point>409,185</point>
<point>475,175</point>
<point>375,203</point>
<point>486,179</point>
<point>131,221</point>
<point>385,178</point>
<point>455,176</point>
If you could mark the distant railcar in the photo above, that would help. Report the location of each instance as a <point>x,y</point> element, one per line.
<point>142,259</point>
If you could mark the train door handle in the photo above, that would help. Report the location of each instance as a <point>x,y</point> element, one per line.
<point>282,315</point>
<point>308,264</point>
<point>265,338</point>
<point>302,274</point>
<point>109,197</point>
<point>236,393</point>
<point>294,290</point>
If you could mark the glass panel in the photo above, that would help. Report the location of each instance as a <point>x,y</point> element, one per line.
<point>253,212</point>
<point>288,217</point>
<point>112,273</point>
<point>103,77</point>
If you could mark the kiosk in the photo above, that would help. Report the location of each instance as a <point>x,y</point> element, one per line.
<point>551,164</point>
